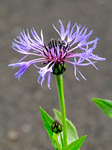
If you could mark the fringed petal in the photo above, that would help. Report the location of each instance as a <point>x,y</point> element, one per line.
<point>42,74</point>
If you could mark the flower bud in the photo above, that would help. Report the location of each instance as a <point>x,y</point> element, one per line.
<point>56,127</point>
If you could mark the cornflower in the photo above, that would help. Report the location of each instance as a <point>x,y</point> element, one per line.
<point>55,54</point>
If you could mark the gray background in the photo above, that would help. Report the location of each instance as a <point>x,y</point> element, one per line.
<point>20,100</point>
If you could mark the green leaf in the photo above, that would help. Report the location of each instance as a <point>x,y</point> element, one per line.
<point>47,121</point>
<point>104,105</point>
<point>56,142</point>
<point>75,145</point>
<point>71,130</point>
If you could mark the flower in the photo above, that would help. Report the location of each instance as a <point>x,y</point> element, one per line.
<point>55,54</point>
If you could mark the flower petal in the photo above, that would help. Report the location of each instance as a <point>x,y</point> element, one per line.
<point>43,71</point>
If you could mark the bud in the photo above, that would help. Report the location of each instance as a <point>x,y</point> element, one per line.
<point>56,127</point>
<point>59,68</point>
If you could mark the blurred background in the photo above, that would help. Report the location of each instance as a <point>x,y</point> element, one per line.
<point>21,127</point>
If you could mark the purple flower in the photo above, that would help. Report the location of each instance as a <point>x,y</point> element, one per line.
<point>55,54</point>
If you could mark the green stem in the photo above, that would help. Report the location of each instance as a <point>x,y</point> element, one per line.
<point>59,81</point>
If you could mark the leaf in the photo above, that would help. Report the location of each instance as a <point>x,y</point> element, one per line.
<point>47,121</point>
<point>71,130</point>
<point>56,141</point>
<point>75,145</point>
<point>104,105</point>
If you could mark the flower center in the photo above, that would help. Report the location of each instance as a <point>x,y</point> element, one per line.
<point>54,43</point>
<point>56,52</point>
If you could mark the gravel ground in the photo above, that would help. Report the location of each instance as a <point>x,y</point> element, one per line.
<point>21,127</point>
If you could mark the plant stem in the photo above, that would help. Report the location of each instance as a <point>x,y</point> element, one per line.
<point>59,81</point>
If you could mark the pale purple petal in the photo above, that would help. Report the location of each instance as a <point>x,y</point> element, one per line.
<point>43,71</point>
